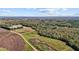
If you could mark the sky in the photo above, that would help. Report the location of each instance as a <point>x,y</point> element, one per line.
<point>39,12</point>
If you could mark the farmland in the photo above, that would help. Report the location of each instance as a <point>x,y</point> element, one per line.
<point>11,41</point>
<point>42,43</point>
<point>39,34</point>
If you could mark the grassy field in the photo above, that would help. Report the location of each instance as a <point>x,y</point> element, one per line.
<point>3,49</point>
<point>56,44</point>
<point>28,48</point>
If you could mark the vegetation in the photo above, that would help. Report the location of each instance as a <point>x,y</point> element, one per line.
<point>54,30</point>
<point>53,43</point>
<point>3,49</point>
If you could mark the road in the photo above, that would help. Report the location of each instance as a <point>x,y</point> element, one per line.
<point>25,40</point>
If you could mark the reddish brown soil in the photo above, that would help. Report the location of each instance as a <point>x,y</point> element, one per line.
<point>11,41</point>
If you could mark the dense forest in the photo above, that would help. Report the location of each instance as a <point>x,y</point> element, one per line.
<point>64,29</point>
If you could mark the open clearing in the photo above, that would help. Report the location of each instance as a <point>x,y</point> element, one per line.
<point>11,41</point>
<point>27,39</point>
<point>46,44</point>
<point>41,45</point>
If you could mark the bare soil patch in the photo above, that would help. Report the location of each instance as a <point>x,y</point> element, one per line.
<point>28,29</point>
<point>11,41</point>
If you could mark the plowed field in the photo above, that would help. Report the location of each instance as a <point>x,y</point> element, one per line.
<point>11,41</point>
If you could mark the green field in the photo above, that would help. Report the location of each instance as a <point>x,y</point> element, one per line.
<point>56,44</point>
<point>3,49</point>
<point>28,48</point>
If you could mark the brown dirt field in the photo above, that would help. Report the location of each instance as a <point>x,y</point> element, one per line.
<point>24,29</point>
<point>11,41</point>
<point>28,29</point>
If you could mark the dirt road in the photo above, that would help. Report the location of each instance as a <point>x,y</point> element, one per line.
<point>25,40</point>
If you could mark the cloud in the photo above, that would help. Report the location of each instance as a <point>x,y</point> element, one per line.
<point>3,14</point>
<point>64,9</point>
<point>5,10</point>
<point>47,11</point>
<point>54,12</point>
<point>39,12</point>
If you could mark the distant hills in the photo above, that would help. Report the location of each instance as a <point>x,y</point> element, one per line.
<point>40,18</point>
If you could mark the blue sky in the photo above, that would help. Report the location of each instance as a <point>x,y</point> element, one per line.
<point>39,11</point>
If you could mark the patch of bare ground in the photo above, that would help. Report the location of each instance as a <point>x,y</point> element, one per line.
<point>28,29</point>
<point>11,41</point>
